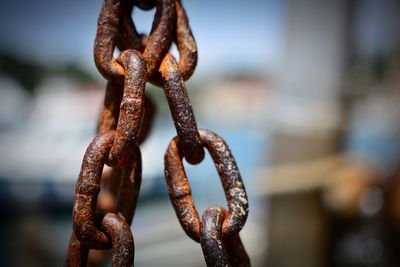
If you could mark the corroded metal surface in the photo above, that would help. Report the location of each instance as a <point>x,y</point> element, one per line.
<point>219,251</point>
<point>87,190</point>
<point>128,37</point>
<point>181,110</point>
<point>232,183</point>
<point>121,239</point>
<point>186,43</point>
<point>160,38</point>
<point>131,109</point>
<point>77,254</point>
<point>106,37</point>
<point>211,238</point>
<point>105,201</point>
<point>180,192</point>
<point>122,244</point>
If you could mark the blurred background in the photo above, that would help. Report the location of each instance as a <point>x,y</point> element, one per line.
<point>304,92</point>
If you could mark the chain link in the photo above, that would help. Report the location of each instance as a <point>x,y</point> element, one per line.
<point>180,192</point>
<point>105,201</point>
<point>219,250</point>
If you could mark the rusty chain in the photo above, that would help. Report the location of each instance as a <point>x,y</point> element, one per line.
<point>105,200</point>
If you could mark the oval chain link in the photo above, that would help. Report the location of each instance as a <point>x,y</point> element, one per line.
<point>180,192</point>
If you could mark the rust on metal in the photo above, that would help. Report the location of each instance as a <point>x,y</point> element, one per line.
<point>186,43</point>
<point>104,44</point>
<point>128,194</point>
<point>105,201</point>
<point>181,110</point>
<point>181,34</point>
<point>131,109</point>
<point>118,230</point>
<point>77,255</point>
<point>211,238</point>
<point>122,244</point>
<point>236,252</point>
<point>128,37</point>
<point>235,191</point>
<point>160,38</point>
<point>180,192</point>
<point>217,250</point>
<point>87,190</point>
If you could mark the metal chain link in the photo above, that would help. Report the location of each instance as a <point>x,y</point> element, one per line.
<point>219,250</point>
<point>105,201</point>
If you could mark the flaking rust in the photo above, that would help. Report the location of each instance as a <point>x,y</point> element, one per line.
<point>131,109</point>
<point>181,110</point>
<point>160,38</point>
<point>87,190</point>
<point>103,221</point>
<point>233,186</point>
<point>186,43</point>
<point>105,41</point>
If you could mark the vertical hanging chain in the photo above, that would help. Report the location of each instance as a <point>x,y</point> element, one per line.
<point>101,222</point>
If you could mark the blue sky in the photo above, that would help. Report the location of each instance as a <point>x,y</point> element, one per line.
<point>233,35</point>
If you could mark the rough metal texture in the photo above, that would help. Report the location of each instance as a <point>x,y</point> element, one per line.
<point>182,35</point>
<point>128,37</point>
<point>181,110</point>
<point>131,109</point>
<point>87,190</point>
<point>113,29</point>
<point>211,238</point>
<point>180,192</point>
<point>160,38</point>
<point>186,43</point>
<point>121,238</point>
<point>235,192</point>
<point>105,202</point>
<point>104,44</point>
<point>219,251</point>
<point>237,255</point>
<point>77,255</point>
<point>122,244</point>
